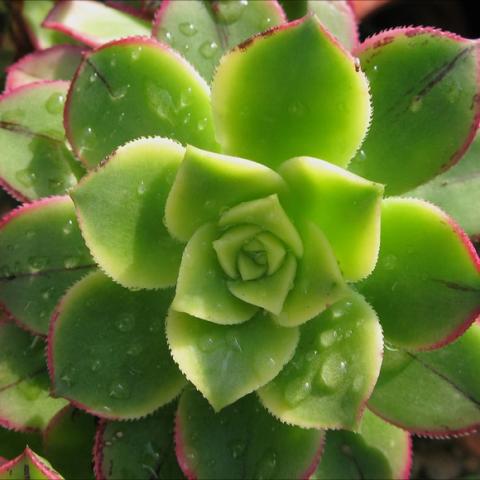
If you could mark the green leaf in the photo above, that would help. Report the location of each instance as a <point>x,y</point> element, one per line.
<point>107,349</point>
<point>33,275</point>
<point>142,450</point>
<point>378,451</point>
<point>333,371</point>
<point>426,286</point>
<point>207,184</point>
<point>68,442</point>
<point>457,191</point>
<point>424,91</point>
<point>28,466</point>
<point>35,161</point>
<point>25,401</point>
<point>55,63</point>
<point>203,31</point>
<point>338,17</point>
<point>324,193</point>
<point>317,284</point>
<point>202,289</point>
<point>319,108</point>
<point>13,443</point>
<point>241,442</point>
<point>34,13</point>
<point>120,208</point>
<point>448,401</point>
<point>294,8</point>
<point>107,106</point>
<point>227,362</point>
<point>93,23</point>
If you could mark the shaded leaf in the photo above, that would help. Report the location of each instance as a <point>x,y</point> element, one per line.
<point>13,443</point>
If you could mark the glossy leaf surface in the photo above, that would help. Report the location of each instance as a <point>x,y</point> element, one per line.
<point>327,111</point>
<point>28,466</point>
<point>25,401</point>
<point>35,161</point>
<point>165,97</point>
<point>424,91</point>
<point>227,362</point>
<point>93,23</point>
<point>449,398</point>
<point>243,441</point>
<point>426,286</point>
<point>120,208</point>
<point>33,274</point>
<point>107,349</point>
<point>333,371</point>
<point>143,449</point>
<point>457,191</point>
<point>202,31</point>
<point>55,63</point>
<point>378,451</point>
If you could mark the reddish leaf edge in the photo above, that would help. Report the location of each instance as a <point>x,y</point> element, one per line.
<point>36,55</point>
<point>2,461</point>
<point>132,40</point>
<point>387,36</point>
<point>407,470</point>
<point>98,450</point>
<point>5,220</point>
<point>49,473</point>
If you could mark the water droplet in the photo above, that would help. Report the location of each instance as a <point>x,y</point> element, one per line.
<point>267,465</point>
<point>389,262</point>
<point>119,434</point>
<point>71,262</point>
<point>230,12</point>
<point>297,109</point>
<point>135,54</point>
<point>266,23</point>
<point>311,355</point>
<point>54,103</point>
<point>67,380</point>
<point>119,391</point>
<point>333,371</point>
<point>166,36</point>
<point>25,177</point>
<point>46,292</point>
<point>375,68</point>
<point>361,156</point>
<point>92,77</point>
<point>188,29</point>
<point>328,338</point>
<point>161,101</point>
<point>126,322</point>
<point>209,343</point>
<point>108,443</point>
<point>238,448</point>
<point>120,92</point>
<point>202,124</point>
<point>416,104</point>
<point>233,341</point>
<point>357,383</point>
<point>208,49</point>
<point>264,364</point>
<point>297,390</point>
<point>135,349</point>
<point>113,62</point>
<point>37,263</point>
<point>141,188</point>
<point>191,456</point>
<point>68,227</point>
<point>96,364</point>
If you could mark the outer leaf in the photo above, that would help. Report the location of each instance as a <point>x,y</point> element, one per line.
<point>25,402</point>
<point>424,86</point>
<point>55,63</point>
<point>13,443</point>
<point>457,191</point>
<point>241,442</point>
<point>28,466</point>
<point>426,287</point>
<point>208,184</point>
<point>204,31</point>
<point>327,111</point>
<point>324,193</point>
<point>34,159</point>
<point>202,288</point>
<point>33,274</point>
<point>107,351</point>
<point>68,442</point>
<point>92,22</point>
<point>165,97</point>
<point>143,449</point>
<point>338,17</point>
<point>333,371</point>
<point>34,12</point>
<point>378,450</point>
<point>120,207</point>
<point>294,8</point>
<point>227,362</point>
<point>448,402</point>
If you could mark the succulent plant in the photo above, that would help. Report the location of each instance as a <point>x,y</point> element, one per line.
<point>225,264</point>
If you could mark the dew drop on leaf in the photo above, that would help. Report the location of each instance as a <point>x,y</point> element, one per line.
<point>135,349</point>
<point>135,54</point>
<point>416,104</point>
<point>25,177</point>
<point>297,390</point>
<point>125,323</point>
<point>54,103</point>
<point>333,371</point>
<point>389,262</point>
<point>92,77</point>
<point>202,124</point>
<point>71,262</point>
<point>188,29</point>
<point>231,11</point>
<point>37,263</point>
<point>209,343</point>
<point>264,364</point>
<point>233,341</point>
<point>237,448</point>
<point>119,391</point>
<point>68,227</point>
<point>96,364</point>
<point>267,465</point>
<point>208,49</point>
<point>141,188</point>
<point>328,338</point>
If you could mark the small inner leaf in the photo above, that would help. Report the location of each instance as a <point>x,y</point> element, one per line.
<point>28,466</point>
<point>226,362</point>
<point>333,371</point>
<point>107,349</point>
